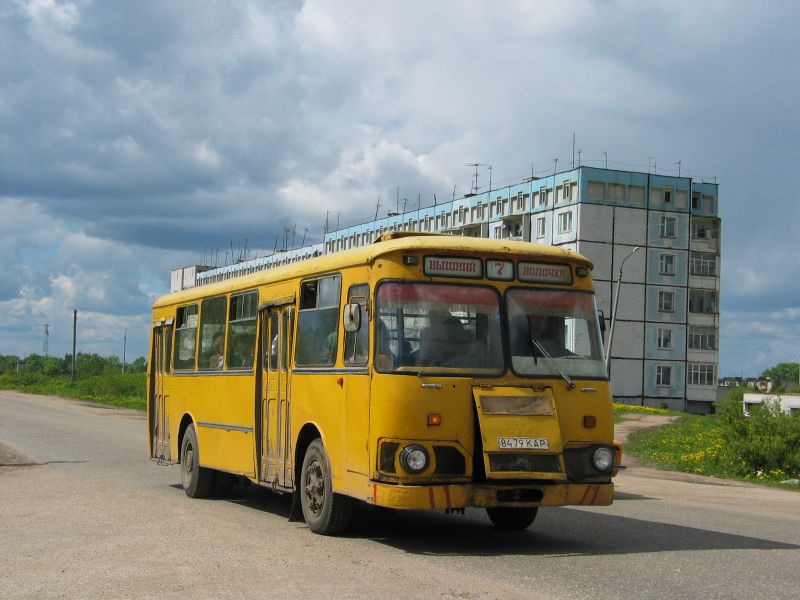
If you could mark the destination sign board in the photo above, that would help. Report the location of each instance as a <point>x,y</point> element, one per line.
<point>453,266</point>
<point>544,273</point>
<point>502,270</point>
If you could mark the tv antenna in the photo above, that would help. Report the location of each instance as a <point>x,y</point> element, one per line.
<point>475,176</point>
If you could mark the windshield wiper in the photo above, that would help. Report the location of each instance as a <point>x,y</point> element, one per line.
<point>550,359</point>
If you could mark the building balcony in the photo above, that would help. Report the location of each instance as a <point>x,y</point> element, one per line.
<point>710,246</point>
<point>704,282</point>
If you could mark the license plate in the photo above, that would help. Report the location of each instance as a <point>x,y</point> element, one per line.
<point>522,443</point>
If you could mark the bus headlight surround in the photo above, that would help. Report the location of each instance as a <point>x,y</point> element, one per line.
<point>414,458</point>
<point>603,459</point>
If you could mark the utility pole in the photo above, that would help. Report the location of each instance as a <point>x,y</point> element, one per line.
<point>74,337</point>
<point>46,345</point>
<point>614,308</point>
<point>124,348</point>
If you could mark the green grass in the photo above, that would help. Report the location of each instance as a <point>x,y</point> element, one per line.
<point>698,444</point>
<point>114,389</point>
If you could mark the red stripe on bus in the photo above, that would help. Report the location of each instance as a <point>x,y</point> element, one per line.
<point>374,493</point>
<point>596,491</point>
<point>585,493</point>
<point>430,495</point>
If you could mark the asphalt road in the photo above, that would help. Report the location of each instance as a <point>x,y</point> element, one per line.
<point>84,513</point>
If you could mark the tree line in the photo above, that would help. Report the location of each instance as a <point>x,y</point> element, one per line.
<point>86,365</point>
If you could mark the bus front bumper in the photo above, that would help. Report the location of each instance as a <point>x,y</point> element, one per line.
<point>490,495</point>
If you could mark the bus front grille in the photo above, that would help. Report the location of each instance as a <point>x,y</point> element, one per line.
<point>527,462</point>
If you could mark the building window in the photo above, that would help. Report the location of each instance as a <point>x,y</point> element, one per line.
<point>703,338</point>
<point>567,190</point>
<point>704,265</point>
<point>701,374</point>
<point>666,264</point>
<point>703,301</point>
<point>666,301</point>
<point>668,195</point>
<point>663,375</point>
<point>616,192</point>
<point>543,197</point>
<point>668,227</point>
<point>695,199</point>
<point>664,339</point>
<point>540,227</point>
<point>597,190</point>
<point>565,222</point>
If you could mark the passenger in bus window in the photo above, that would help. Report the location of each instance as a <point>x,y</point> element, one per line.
<point>217,351</point>
<point>448,344</point>
<point>244,351</point>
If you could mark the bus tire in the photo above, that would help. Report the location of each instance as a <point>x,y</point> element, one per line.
<point>512,519</point>
<point>197,481</point>
<point>325,513</point>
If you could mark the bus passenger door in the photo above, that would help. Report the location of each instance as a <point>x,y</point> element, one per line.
<point>276,456</point>
<point>159,420</point>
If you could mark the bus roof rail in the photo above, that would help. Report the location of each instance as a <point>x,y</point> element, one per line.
<point>396,235</point>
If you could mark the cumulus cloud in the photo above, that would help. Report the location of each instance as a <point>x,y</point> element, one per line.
<point>234,120</point>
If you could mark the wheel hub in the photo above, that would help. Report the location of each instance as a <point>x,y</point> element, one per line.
<point>314,487</point>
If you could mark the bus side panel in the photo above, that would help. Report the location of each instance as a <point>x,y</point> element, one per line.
<point>357,424</point>
<point>223,406</point>
<point>320,400</point>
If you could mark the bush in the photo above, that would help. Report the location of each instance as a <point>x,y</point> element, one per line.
<point>765,445</point>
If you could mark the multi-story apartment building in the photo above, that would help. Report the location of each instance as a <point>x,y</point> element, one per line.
<point>665,348</point>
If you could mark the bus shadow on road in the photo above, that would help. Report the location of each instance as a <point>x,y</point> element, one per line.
<point>556,532</point>
<point>240,491</point>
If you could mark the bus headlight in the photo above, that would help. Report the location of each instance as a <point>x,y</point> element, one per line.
<point>603,459</point>
<point>414,459</point>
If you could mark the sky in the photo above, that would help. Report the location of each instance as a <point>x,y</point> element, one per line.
<point>136,137</point>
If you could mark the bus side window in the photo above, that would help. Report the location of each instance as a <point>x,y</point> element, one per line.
<point>212,333</point>
<point>273,344</point>
<point>356,343</point>
<point>242,330</point>
<point>318,322</point>
<point>185,338</point>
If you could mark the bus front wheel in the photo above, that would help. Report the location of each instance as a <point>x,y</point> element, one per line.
<point>197,481</point>
<point>325,513</point>
<point>512,519</point>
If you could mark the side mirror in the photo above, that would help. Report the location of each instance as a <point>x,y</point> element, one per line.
<point>352,317</point>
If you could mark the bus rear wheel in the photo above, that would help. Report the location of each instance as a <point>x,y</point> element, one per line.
<point>197,481</point>
<point>325,513</point>
<point>512,519</point>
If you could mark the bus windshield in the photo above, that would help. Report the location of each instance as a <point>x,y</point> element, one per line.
<point>425,327</point>
<point>552,331</point>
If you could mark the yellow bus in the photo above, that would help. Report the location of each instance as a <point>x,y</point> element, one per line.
<point>418,372</point>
